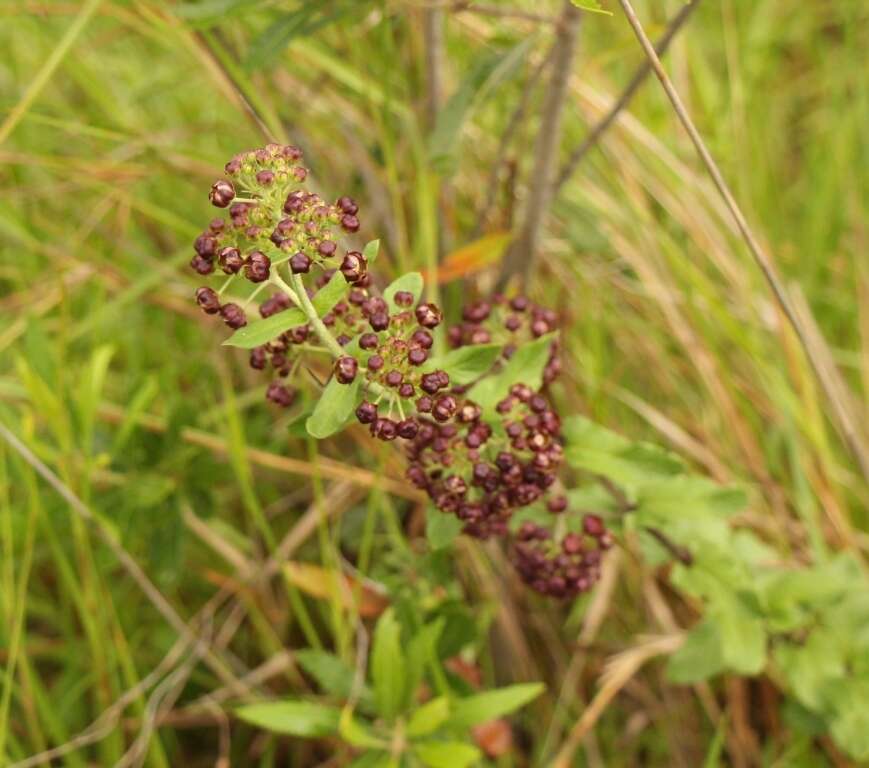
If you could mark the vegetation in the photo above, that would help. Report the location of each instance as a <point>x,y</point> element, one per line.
<point>194,573</point>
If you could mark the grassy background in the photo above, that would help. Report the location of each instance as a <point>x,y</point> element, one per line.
<point>116,382</point>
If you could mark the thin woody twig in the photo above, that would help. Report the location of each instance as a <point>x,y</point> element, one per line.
<point>841,415</point>
<point>520,255</point>
<point>509,132</point>
<point>639,77</point>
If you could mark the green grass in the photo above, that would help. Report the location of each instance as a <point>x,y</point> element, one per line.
<point>111,131</point>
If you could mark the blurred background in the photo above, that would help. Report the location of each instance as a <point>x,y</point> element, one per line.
<point>116,116</point>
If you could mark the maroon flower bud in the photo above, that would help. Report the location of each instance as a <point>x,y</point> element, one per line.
<point>345,369</point>
<point>539,328</point>
<point>384,429</point>
<point>300,263</point>
<point>353,266</point>
<point>421,338</point>
<point>393,378</point>
<point>327,248</point>
<point>557,504</point>
<point>366,413</point>
<point>593,526</point>
<point>230,260</point>
<point>428,315</point>
<point>202,265</point>
<point>208,300</point>
<point>257,267</point>
<point>519,303</point>
<point>406,390</point>
<point>424,404</point>
<point>379,321</point>
<point>265,178</point>
<point>408,429</point>
<point>347,205</point>
<point>417,356</point>
<point>233,315</point>
<point>368,341</point>
<point>205,245</point>
<point>258,358</point>
<point>222,192</point>
<point>233,166</point>
<point>216,225</point>
<point>274,304</point>
<point>375,363</point>
<point>403,298</point>
<point>512,323</point>
<point>349,223</point>
<point>444,408</point>
<point>280,395</point>
<point>522,392</point>
<point>469,413</point>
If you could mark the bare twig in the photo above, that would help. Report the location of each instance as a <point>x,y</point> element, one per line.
<point>520,255</point>
<point>639,77</point>
<point>840,412</point>
<point>513,124</point>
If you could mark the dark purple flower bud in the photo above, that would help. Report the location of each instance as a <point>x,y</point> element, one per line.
<point>539,328</point>
<point>593,526</point>
<point>233,166</point>
<point>417,356</point>
<point>216,225</point>
<point>349,223</point>
<point>366,413</point>
<point>394,378</point>
<point>300,263</point>
<point>208,300</point>
<point>257,358</point>
<point>222,192</point>
<point>424,404</point>
<point>406,390</point>
<point>291,153</point>
<point>327,248</point>
<point>353,266</point>
<point>379,321</point>
<point>280,395</point>
<point>444,408</point>
<point>375,363</point>
<point>230,260</point>
<point>421,338</point>
<point>265,177</point>
<point>368,341</point>
<point>403,298</point>
<point>477,312</point>
<point>345,369</point>
<point>274,304</point>
<point>257,267</point>
<point>347,205</point>
<point>428,315</point>
<point>233,315</point>
<point>557,504</point>
<point>408,429</point>
<point>202,265</point>
<point>522,392</point>
<point>469,413</point>
<point>519,303</point>
<point>572,544</point>
<point>512,323</point>
<point>384,429</point>
<point>205,245</point>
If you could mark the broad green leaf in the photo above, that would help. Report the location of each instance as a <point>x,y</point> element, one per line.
<point>812,667</point>
<point>260,332</point>
<point>294,718</point>
<point>411,282</point>
<point>211,11</point>
<point>525,366</point>
<point>699,658</point>
<point>333,409</point>
<point>388,666</point>
<point>330,294</point>
<point>372,759</point>
<point>370,251</point>
<point>447,754</point>
<point>743,637</point>
<point>429,717</point>
<point>466,364</point>
<point>441,529</point>
<point>421,651</point>
<point>850,725</point>
<point>331,673</point>
<point>482,707</point>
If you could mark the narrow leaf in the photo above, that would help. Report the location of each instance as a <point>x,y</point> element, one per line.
<point>333,409</point>
<point>260,332</point>
<point>429,717</point>
<point>447,754</point>
<point>482,707</point>
<point>388,666</point>
<point>467,364</point>
<point>330,294</point>
<point>295,718</point>
<point>371,250</point>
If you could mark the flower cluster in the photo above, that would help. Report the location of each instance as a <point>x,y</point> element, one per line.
<point>478,461</point>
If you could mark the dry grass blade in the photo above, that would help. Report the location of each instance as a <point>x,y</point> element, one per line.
<point>770,273</point>
<point>619,670</point>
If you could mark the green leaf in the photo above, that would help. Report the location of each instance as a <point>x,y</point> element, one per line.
<point>466,364</point>
<point>447,754</point>
<point>388,666</point>
<point>812,667</point>
<point>429,717</point>
<point>372,759</point>
<point>294,718</point>
<point>356,732</point>
<point>699,658</point>
<point>592,6</point>
<point>743,637</point>
<point>525,366</point>
<point>421,651</point>
<point>850,726</point>
<point>371,250</point>
<point>333,409</point>
<point>331,673</point>
<point>330,294</point>
<point>441,529</point>
<point>260,332</point>
<point>411,282</point>
<point>482,707</point>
